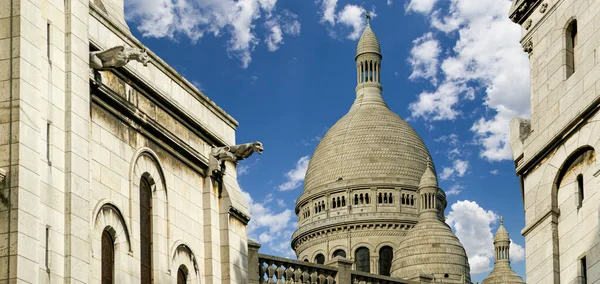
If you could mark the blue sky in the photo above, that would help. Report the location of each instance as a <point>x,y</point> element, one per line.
<point>285,70</point>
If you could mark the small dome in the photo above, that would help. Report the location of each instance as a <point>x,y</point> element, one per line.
<point>502,234</point>
<point>431,248</point>
<point>368,42</point>
<point>429,178</point>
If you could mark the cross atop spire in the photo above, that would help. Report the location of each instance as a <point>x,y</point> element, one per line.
<point>501,220</point>
<point>368,16</point>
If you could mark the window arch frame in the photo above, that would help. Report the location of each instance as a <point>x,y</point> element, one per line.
<point>571,47</point>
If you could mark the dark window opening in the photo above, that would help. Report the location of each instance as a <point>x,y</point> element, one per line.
<point>146,231</point>
<point>320,259</point>
<point>580,191</point>
<point>339,252</point>
<point>571,48</point>
<point>181,275</point>
<point>583,270</point>
<point>385,260</point>
<point>108,258</point>
<point>363,259</point>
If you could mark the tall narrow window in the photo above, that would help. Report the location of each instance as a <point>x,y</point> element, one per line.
<point>181,275</point>
<point>363,259</point>
<point>48,42</point>
<point>320,259</point>
<point>146,231</point>
<point>580,191</point>
<point>47,249</point>
<point>385,260</point>
<point>108,258</point>
<point>48,142</point>
<point>583,270</point>
<point>571,48</point>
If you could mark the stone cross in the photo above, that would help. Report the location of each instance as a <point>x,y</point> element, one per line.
<point>368,16</point>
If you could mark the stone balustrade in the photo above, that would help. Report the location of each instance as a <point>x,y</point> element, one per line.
<point>277,270</point>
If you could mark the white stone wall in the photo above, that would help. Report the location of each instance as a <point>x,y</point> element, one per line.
<point>558,234</point>
<point>82,176</point>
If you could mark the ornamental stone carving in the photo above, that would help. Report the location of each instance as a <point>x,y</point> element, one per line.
<point>527,24</point>
<point>528,46</point>
<point>116,57</point>
<point>543,8</point>
<point>233,153</point>
<point>2,175</point>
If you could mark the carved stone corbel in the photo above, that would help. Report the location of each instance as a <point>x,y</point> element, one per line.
<point>2,175</point>
<point>528,47</point>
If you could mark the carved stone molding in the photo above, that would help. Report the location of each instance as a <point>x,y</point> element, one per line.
<point>521,9</point>
<point>527,24</point>
<point>528,47</point>
<point>2,175</point>
<point>543,8</point>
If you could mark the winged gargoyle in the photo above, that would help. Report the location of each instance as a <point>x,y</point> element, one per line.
<point>116,57</point>
<point>233,154</point>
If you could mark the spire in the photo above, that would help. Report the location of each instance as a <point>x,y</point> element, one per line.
<point>429,179</point>
<point>368,16</point>
<point>368,66</point>
<point>502,272</point>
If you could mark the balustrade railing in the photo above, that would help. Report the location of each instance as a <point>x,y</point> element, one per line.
<point>277,270</point>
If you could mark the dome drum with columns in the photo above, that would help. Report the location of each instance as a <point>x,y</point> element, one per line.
<point>364,185</point>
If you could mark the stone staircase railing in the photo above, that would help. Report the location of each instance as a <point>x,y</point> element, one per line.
<point>264,268</point>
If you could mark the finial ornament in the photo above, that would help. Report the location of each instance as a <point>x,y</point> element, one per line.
<point>429,163</point>
<point>501,220</point>
<point>368,16</point>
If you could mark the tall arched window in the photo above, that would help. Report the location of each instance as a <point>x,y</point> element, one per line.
<point>339,252</point>
<point>146,231</point>
<point>320,259</point>
<point>363,259</point>
<point>108,258</point>
<point>343,201</point>
<point>182,275</point>
<point>386,254</point>
<point>571,48</point>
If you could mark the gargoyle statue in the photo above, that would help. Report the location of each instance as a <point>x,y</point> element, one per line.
<point>116,57</point>
<point>232,153</point>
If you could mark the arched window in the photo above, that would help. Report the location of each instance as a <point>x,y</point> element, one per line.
<point>386,254</point>
<point>339,252</point>
<point>305,260</point>
<point>333,202</point>
<point>356,199</point>
<point>580,190</point>
<point>338,202</point>
<point>145,231</point>
<point>367,198</point>
<point>182,275</point>
<point>385,199</point>
<point>380,200</point>
<point>363,259</point>
<point>390,199</point>
<point>343,201</point>
<point>108,258</point>
<point>403,199</point>
<point>320,259</point>
<point>571,48</point>
<point>362,199</point>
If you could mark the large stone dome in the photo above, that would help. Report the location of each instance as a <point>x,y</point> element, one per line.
<point>368,144</point>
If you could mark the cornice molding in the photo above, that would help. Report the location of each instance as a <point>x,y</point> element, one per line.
<point>521,9</point>
<point>239,215</point>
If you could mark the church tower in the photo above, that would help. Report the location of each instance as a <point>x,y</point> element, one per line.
<point>555,150</point>
<point>502,272</point>
<point>360,194</point>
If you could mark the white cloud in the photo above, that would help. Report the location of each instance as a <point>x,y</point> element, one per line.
<point>424,58</point>
<point>473,226</point>
<point>295,177</point>
<point>390,2</point>
<point>350,16</point>
<point>271,229</point>
<point>195,18</point>
<point>421,6</point>
<point>286,23</point>
<point>242,170</point>
<point>459,168</point>
<point>455,189</point>
<point>494,172</point>
<point>451,139</point>
<point>486,61</point>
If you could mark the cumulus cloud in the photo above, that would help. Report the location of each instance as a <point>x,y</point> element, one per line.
<point>295,177</point>
<point>455,190</point>
<point>350,16</point>
<point>242,170</point>
<point>195,18</point>
<point>486,61</point>
<point>424,58</point>
<point>286,23</point>
<point>272,229</point>
<point>421,6</point>
<point>459,168</point>
<point>473,226</point>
